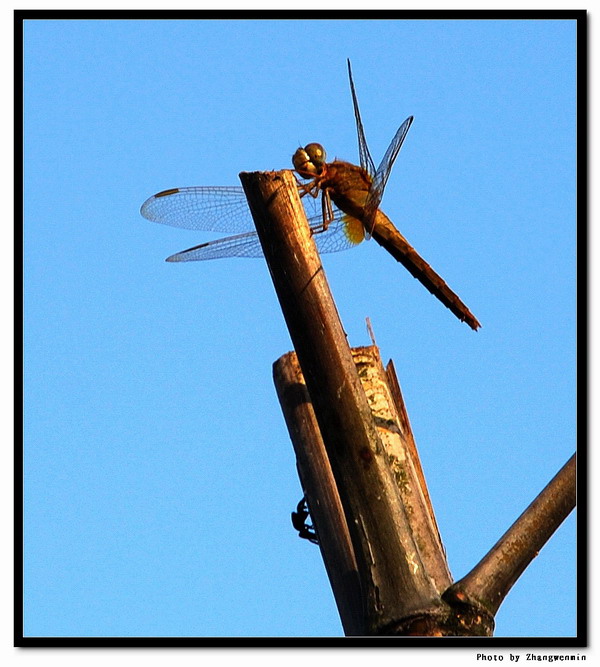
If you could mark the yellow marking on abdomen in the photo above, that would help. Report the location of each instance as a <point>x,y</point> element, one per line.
<point>353,229</point>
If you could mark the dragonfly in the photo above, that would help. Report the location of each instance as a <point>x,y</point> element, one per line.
<point>348,212</point>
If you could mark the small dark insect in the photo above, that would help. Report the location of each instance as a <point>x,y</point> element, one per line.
<point>305,530</point>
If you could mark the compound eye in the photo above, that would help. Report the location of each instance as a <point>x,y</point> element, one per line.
<point>309,161</point>
<point>316,153</point>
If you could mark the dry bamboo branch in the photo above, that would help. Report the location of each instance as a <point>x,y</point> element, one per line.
<point>490,580</point>
<point>320,490</point>
<point>398,596</point>
<point>394,582</point>
<point>394,387</point>
<point>395,432</point>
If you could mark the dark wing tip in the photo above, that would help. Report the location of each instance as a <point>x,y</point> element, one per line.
<point>145,207</point>
<point>166,193</point>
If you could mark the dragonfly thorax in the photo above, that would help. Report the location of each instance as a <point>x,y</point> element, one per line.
<point>309,161</point>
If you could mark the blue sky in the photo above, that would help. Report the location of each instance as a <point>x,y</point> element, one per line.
<point>159,476</point>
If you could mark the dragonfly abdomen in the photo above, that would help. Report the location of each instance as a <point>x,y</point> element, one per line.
<point>386,234</point>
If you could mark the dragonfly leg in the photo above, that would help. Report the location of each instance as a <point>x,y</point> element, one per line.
<point>326,209</point>
<point>327,215</point>
<point>311,188</point>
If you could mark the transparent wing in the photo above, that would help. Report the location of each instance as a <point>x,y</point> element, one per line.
<point>383,171</point>
<point>213,209</point>
<point>343,233</point>
<point>210,208</point>
<point>241,245</point>
<point>366,161</point>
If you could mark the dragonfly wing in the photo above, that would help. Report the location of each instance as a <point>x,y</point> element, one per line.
<point>241,245</point>
<point>343,233</point>
<point>366,161</point>
<point>383,171</point>
<point>215,209</point>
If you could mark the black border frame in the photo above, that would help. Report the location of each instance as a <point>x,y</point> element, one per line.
<point>489,644</point>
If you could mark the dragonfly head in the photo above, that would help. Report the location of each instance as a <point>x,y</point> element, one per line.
<point>309,161</point>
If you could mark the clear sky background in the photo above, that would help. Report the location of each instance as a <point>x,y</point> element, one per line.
<point>159,475</point>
